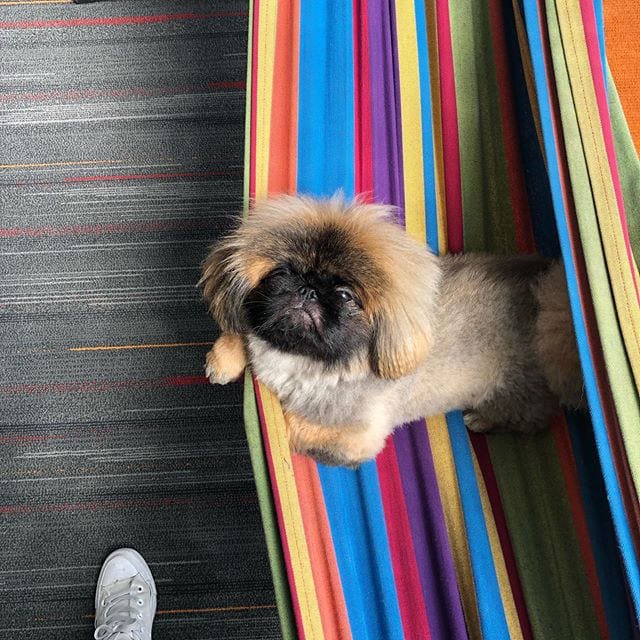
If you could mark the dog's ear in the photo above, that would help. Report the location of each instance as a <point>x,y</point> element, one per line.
<point>403,321</point>
<point>229,273</point>
<point>400,342</point>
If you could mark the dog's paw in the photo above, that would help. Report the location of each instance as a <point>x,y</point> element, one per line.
<point>226,360</point>
<point>347,454</point>
<point>478,423</point>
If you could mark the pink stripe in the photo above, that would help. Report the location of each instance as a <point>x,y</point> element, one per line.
<point>412,606</point>
<point>362,86</point>
<point>118,20</point>
<point>295,603</point>
<point>450,136</point>
<point>597,73</point>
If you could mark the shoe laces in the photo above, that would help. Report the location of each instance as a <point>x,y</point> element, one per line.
<point>120,616</point>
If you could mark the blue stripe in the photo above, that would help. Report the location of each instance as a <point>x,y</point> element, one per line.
<point>356,517</point>
<point>597,7</point>
<point>601,533</point>
<point>431,212</point>
<point>532,20</point>
<point>326,157</point>
<point>489,599</point>
<point>326,127</point>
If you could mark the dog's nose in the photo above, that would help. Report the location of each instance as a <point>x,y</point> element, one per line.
<point>307,292</point>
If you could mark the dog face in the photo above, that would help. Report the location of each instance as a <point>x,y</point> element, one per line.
<point>310,311</point>
<point>326,279</point>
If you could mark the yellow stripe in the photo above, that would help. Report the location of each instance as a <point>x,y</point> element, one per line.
<point>508,603</point>
<point>267,21</point>
<point>436,115</point>
<point>122,347</point>
<point>285,485</point>
<point>584,95</point>
<point>70,163</point>
<point>444,464</point>
<point>411,116</point>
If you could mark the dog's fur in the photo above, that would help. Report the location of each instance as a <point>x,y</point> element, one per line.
<point>357,328</point>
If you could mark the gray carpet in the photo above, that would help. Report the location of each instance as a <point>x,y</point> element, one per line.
<point>121,148</point>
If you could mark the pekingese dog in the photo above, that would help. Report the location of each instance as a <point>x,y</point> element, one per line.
<point>357,328</point>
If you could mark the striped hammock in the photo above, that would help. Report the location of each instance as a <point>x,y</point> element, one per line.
<point>492,125</point>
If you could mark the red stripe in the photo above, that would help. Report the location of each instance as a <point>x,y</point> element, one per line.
<point>97,386</point>
<point>570,474</point>
<point>450,135</point>
<point>118,20</point>
<point>116,227</point>
<point>517,189</point>
<point>405,569</point>
<point>481,449</point>
<point>362,86</point>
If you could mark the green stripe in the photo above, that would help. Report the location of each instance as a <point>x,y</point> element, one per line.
<point>252,422</point>
<point>527,468</point>
<point>488,219</point>
<point>267,509</point>
<point>628,165</point>
<point>624,391</point>
<point>543,535</point>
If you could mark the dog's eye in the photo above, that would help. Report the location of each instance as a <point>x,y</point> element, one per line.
<point>348,296</point>
<point>280,271</point>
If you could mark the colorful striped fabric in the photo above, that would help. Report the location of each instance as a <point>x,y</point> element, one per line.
<point>492,125</point>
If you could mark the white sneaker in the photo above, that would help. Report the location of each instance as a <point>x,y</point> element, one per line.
<point>125,598</point>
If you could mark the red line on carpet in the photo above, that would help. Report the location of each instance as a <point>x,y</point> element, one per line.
<point>118,20</point>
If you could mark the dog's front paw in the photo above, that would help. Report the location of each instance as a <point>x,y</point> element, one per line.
<point>336,458</point>
<point>345,452</point>
<point>226,360</point>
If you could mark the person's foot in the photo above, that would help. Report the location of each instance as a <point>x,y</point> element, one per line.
<point>125,598</point>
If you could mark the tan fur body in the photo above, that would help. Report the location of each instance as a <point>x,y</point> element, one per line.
<point>489,335</point>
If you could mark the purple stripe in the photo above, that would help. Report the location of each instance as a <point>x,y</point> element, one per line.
<point>429,532</point>
<point>420,484</point>
<point>386,132</point>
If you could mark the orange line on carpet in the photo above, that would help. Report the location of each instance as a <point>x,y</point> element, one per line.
<point>249,607</point>
<point>116,347</point>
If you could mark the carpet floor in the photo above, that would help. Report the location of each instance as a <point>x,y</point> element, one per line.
<point>121,160</point>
